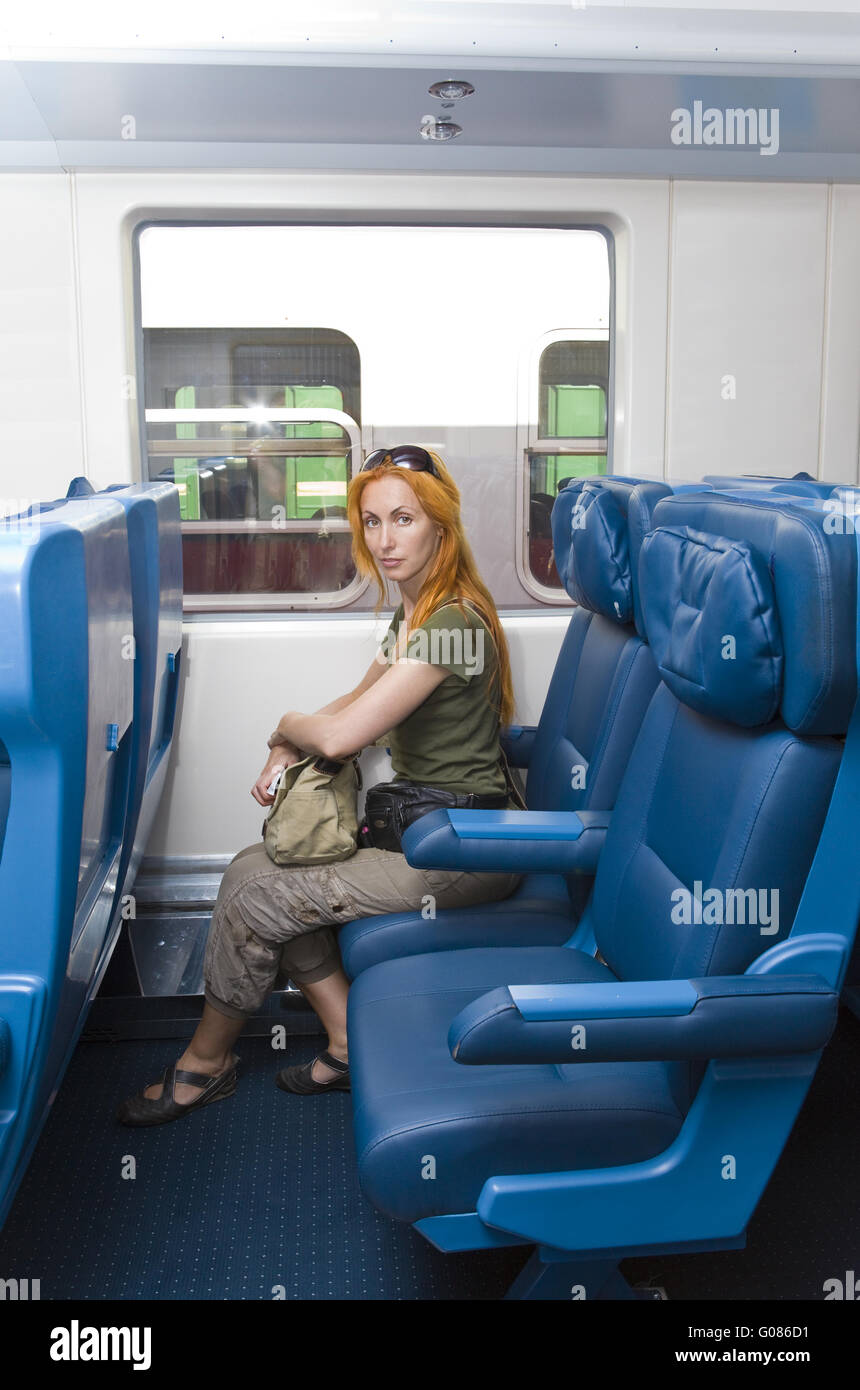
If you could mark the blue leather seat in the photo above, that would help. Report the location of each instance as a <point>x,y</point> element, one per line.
<point>155,556</point>
<point>838,505</point>
<point>66,706</point>
<point>603,681</point>
<point>565,1097</point>
<point>155,552</point>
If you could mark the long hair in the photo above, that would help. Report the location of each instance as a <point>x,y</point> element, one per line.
<point>454,573</point>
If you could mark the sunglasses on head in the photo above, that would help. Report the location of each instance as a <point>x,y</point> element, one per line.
<point>410,456</point>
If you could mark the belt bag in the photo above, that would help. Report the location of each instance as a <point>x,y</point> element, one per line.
<point>313,819</point>
<point>392,806</point>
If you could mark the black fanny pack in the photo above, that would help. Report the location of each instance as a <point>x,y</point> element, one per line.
<point>392,806</point>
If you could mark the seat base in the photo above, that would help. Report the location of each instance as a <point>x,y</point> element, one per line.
<point>601,1280</point>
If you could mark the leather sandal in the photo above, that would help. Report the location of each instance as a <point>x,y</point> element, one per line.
<point>300,1081</point>
<point>141,1110</point>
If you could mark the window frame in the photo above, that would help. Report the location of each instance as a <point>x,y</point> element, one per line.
<point>207,603</point>
<point>317,215</point>
<point>529,442</point>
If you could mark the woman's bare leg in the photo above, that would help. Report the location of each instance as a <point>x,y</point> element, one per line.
<point>328,998</point>
<point>210,1051</point>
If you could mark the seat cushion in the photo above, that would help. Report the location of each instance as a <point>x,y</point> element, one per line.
<point>429,1131</point>
<point>538,913</point>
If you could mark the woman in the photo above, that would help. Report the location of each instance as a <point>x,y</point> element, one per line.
<point>438,690</point>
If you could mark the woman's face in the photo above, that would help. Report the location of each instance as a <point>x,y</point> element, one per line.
<point>400,535</point>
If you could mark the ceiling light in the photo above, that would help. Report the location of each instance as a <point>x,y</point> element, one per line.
<point>433,129</point>
<point>451,90</point>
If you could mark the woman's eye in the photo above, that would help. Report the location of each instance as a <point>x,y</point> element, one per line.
<point>369,521</point>
<point>405,518</point>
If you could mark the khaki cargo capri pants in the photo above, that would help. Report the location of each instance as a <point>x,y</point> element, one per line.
<point>271,922</point>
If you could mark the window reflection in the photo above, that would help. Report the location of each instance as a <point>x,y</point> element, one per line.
<point>262,498</point>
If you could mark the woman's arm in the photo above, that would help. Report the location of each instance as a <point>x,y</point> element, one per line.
<point>376,707</point>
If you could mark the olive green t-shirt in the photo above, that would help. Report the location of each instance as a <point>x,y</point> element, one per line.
<point>452,739</point>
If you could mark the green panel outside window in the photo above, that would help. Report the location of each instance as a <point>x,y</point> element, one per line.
<point>314,481</point>
<point>185,470</point>
<point>576,412</point>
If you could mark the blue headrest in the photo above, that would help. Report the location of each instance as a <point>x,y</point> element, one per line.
<point>640,520</point>
<point>590,544</point>
<point>710,615</point>
<point>749,606</point>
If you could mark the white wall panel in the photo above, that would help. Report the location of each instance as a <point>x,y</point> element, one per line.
<point>747,302</point>
<point>840,416</point>
<point>237,681</point>
<point>40,407</point>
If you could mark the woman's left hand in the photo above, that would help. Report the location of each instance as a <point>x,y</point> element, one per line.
<point>284,755</point>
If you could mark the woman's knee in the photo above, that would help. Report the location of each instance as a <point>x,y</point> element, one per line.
<point>239,967</point>
<point>311,957</point>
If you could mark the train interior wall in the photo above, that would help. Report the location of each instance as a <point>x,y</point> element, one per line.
<point>736,348</point>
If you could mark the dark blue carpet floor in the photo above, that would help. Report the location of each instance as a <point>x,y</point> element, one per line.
<point>259,1194</point>
<point>255,1192</point>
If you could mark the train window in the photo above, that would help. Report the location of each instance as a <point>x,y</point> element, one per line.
<point>256,428</point>
<point>274,357</point>
<point>568,440</point>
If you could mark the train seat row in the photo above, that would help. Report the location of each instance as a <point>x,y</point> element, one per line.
<point>91,612</point>
<point>576,755</point>
<point>632,1089</point>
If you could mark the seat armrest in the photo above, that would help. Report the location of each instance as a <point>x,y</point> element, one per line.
<point>657,1020</point>
<point>563,842</point>
<point>518,741</point>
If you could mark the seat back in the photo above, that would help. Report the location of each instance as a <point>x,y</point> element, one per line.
<point>155,552</point>
<point>66,705</point>
<point>749,606</point>
<point>153,647</point>
<point>604,675</point>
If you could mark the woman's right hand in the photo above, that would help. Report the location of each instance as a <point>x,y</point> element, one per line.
<point>284,755</point>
